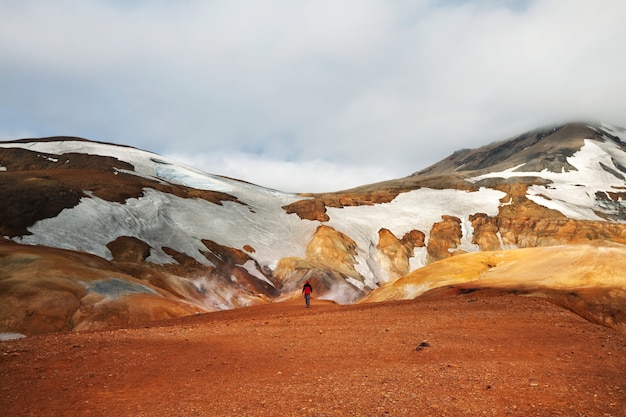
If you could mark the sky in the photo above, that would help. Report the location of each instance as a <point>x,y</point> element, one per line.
<point>308,96</point>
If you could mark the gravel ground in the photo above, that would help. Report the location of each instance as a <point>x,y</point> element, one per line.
<point>468,355</point>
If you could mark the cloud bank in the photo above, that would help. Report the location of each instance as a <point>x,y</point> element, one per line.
<point>308,96</point>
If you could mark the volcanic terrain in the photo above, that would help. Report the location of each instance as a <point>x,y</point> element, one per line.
<point>97,234</point>
<point>446,355</point>
<point>491,283</point>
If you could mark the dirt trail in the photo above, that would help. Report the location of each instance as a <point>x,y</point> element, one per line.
<point>495,356</point>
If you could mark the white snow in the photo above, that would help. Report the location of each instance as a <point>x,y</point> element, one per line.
<point>250,266</point>
<point>414,210</point>
<point>573,192</point>
<point>48,158</point>
<point>147,164</point>
<point>165,220</point>
<point>620,132</point>
<point>5,337</point>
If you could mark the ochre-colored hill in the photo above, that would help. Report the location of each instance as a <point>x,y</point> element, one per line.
<point>589,279</point>
<point>117,234</point>
<point>49,290</point>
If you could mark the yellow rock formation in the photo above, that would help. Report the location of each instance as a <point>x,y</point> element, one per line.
<point>589,279</point>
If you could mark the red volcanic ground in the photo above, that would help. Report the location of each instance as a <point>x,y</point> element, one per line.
<point>466,355</point>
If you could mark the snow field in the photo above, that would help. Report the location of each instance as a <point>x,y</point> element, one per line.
<point>165,220</point>
<point>573,193</point>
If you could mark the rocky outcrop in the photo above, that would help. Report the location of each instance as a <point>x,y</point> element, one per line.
<point>129,249</point>
<point>485,231</point>
<point>445,236</point>
<point>533,232</point>
<point>333,249</point>
<point>329,265</point>
<point>394,253</point>
<point>524,224</point>
<point>238,267</point>
<point>327,283</point>
<point>311,209</point>
<point>314,207</point>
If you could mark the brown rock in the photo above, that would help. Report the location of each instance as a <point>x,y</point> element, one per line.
<point>229,263</point>
<point>129,249</point>
<point>314,208</point>
<point>394,254</point>
<point>291,273</point>
<point>334,250</point>
<point>308,210</point>
<point>329,263</point>
<point>485,231</point>
<point>444,236</point>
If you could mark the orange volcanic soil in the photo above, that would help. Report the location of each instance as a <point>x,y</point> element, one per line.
<point>482,355</point>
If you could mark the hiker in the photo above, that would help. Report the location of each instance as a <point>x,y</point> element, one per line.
<point>306,291</point>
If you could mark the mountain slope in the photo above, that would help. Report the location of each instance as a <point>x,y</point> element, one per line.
<point>587,279</point>
<point>232,244</point>
<point>44,290</point>
<point>538,150</point>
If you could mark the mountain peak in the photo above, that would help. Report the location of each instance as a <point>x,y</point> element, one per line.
<point>154,227</point>
<point>547,148</point>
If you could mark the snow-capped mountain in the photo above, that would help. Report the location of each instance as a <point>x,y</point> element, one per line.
<point>212,242</point>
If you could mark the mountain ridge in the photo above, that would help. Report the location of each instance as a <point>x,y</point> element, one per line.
<point>557,143</point>
<point>214,242</point>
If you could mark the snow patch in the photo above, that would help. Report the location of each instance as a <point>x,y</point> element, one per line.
<point>413,210</point>
<point>5,337</point>
<point>419,258</point>
<point>165,220</point>
<point>146,164</point>
<point>573,192</point>
<point>48,158</point>
<point>250,266</point>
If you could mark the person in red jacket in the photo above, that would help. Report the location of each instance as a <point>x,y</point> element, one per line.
<point>306,291</point>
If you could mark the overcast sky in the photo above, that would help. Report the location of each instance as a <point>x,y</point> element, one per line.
<point>317,95</point>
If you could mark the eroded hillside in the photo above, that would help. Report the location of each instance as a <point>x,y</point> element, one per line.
<point>210,242</point>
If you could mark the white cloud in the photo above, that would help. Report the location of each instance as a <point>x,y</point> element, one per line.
<point>360,83</point>
<point>310,176</point>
